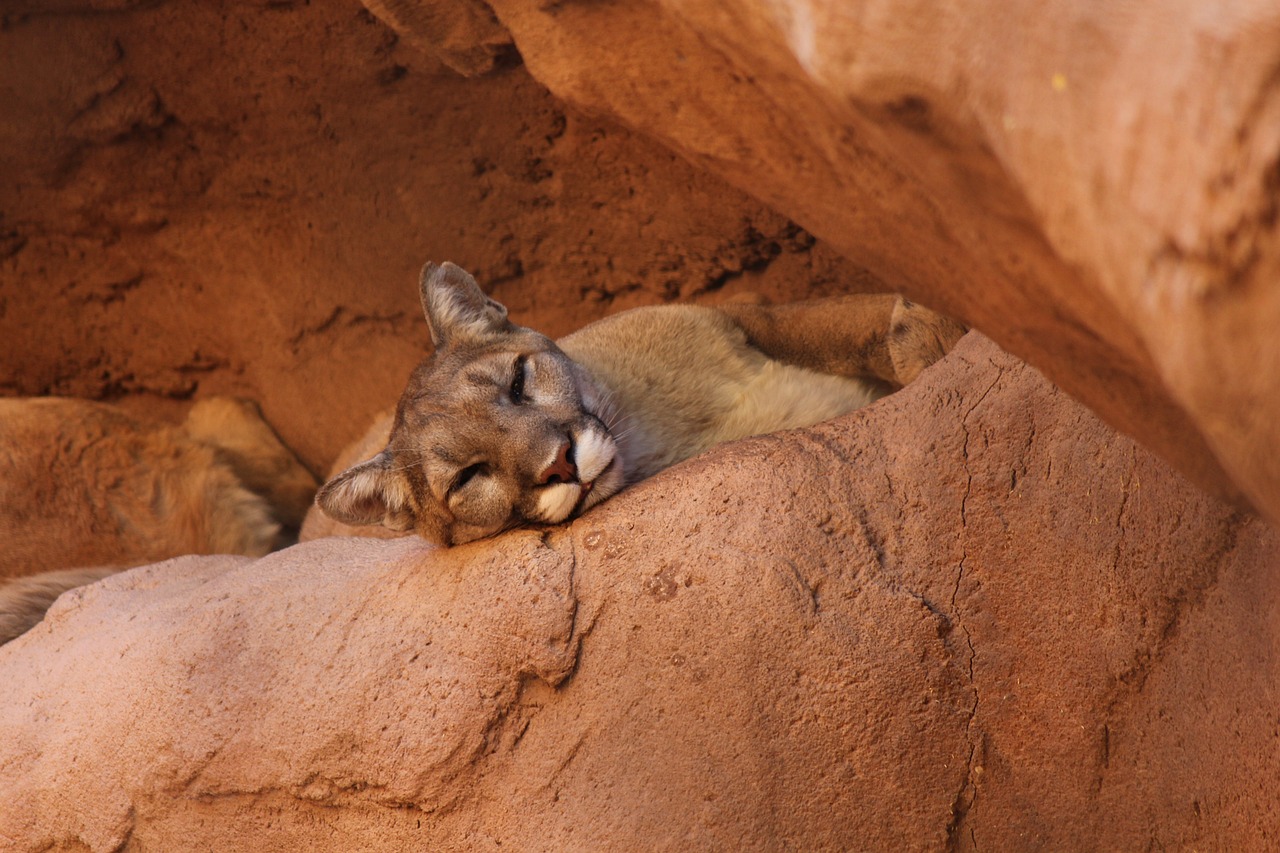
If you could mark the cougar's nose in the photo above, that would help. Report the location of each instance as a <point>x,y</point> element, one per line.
<point>562,470</point>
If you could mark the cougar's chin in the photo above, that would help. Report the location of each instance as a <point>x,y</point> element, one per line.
<point>601,468</point>
<point>556,502</point>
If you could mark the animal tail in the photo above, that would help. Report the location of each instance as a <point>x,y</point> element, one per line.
<point>24,601</point>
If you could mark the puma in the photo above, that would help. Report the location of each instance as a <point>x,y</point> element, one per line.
<point>87,491</point>
<point>501,426</point>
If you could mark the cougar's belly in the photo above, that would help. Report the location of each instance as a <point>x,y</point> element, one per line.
<point>782,396</point>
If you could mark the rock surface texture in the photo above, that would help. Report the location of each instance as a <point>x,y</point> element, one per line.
<point>783,643</point>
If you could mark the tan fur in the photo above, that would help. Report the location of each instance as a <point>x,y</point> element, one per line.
<point>83,484</point>
<point>502,426</point>
<point>24,601</point>
<point>234,428</point>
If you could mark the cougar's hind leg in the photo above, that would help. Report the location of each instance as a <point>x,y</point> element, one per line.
<point>879,337</point>
<point>235,428</point>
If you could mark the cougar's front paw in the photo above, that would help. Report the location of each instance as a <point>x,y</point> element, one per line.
<point>919,336</point>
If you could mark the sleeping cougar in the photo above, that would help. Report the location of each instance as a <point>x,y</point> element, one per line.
<point>501,426</point>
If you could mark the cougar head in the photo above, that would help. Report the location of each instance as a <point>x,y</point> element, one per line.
<point>496,428</point>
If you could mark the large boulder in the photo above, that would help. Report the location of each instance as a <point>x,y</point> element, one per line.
<point>968,615</point>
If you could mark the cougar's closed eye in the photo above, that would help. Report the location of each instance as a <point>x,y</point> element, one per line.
<point>517,383</point>
<point>466,475</point>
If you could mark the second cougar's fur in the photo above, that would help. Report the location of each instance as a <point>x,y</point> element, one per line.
<point>87,491</point>
<point>503,426</point>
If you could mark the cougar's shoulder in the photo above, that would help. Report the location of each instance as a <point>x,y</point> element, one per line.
<point>689,377</point>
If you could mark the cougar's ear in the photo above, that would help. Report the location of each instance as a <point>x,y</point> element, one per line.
<point>369,493</point>
<point>455,305</point>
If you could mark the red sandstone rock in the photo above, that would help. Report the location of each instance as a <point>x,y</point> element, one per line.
<point>463,34</point>
<point>968,615</point>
